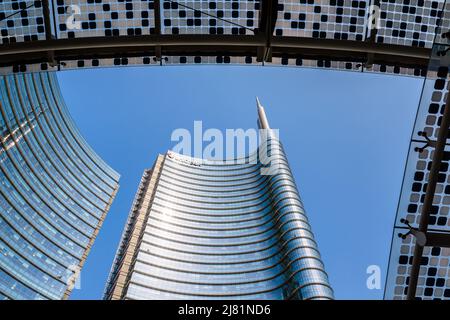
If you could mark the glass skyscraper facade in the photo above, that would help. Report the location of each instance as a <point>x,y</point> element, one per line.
<point>203,229</point>
<point>54,191</point>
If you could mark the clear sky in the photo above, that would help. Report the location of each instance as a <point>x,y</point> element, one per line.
<point>346,136</point>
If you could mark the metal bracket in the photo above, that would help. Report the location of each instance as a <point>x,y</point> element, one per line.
<point>421,238</point>
<point>429,239</point>
<point>428,143</point>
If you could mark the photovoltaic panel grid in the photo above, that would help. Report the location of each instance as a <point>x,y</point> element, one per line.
<point>210,17</point>
<point>104,18</point>
<point>333,19</point>
<point>21,21</point>
<point>434,274</point>
<point>406,23</point>
<point>409,22</point>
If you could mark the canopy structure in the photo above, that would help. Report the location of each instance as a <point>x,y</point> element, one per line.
<point>382,36</point>
<point>420,253</point>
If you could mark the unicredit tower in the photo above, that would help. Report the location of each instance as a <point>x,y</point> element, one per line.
<point>202,229</point>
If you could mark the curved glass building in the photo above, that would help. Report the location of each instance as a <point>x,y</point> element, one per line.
<point>203,229</point>
<point>54,191</point>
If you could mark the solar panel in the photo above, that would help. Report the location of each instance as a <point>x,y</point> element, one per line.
<point>409,23</point>
<point>97,18</point>
<point>210,17</point>
<point>21,21</point>
<point>333,19</point>
<point>434,272</point>
<point>434,275</point>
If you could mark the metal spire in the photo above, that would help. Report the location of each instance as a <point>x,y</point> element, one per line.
<point>262,118</point>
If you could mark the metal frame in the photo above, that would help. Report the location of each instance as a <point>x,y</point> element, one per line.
<point>263,45</point>
<point>266,26</point>
<point>157,13</point>
<point>213,45</point>
<point>433,239</point>
<point>47,19</point>
<point>436,239</point>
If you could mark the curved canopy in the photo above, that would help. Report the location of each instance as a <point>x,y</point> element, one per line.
<point>382,36</point>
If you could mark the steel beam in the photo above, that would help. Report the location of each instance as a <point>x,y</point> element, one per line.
<point>438,239</point>
<point>157,16</point>
<point>47,20</point>
<point>268,14</point>
<point>211,45</point>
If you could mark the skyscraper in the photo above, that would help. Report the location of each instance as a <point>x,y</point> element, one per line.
<point>54,190</point>
<point>202,229</point>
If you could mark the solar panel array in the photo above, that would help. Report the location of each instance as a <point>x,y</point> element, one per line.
<point>103,18</point>
<point>409,23</point>
<point>333,19</point>
<point>210,17</point>
<point>21,21</point>
<point>434,277</point>
<point>434,274</point>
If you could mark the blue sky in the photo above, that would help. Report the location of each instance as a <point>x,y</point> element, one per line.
<point>346,135</point>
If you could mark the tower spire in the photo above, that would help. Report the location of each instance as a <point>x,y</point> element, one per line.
<point>262,118</point>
